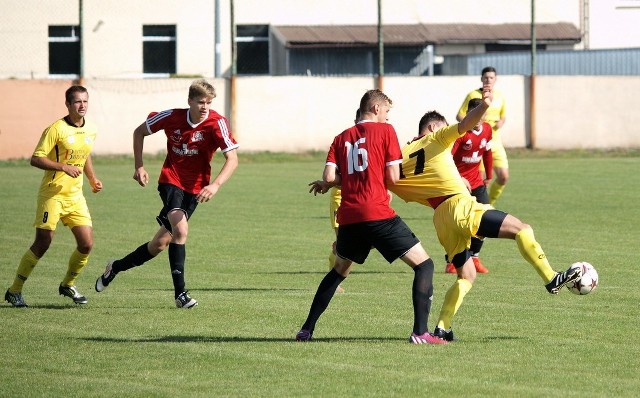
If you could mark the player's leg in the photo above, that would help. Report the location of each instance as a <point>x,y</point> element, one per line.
<point>334,203</point>
<point>501,168</point>
<point>177,257</point>
<point>46,219</point>
<point>455,295</point>
<point>481,195</point>
<point>137,257</point>
<point>530,249</point>
<point>353,245</point>
<point>394,239</point>
<point>76,216</point>
<point>29,260</point>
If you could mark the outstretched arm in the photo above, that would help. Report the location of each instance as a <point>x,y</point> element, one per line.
<point>473,116</point>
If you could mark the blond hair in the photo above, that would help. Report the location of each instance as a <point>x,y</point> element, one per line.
<point>371,98</point>
<point>201,88</point>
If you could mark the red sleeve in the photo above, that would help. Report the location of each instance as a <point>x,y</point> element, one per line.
<point>456,144</point>
<point>393,149</point>
<point>487,157</point>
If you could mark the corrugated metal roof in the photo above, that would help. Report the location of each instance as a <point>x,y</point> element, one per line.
<point>422,34</point>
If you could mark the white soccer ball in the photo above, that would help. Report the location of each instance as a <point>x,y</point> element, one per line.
<point>588,282</point>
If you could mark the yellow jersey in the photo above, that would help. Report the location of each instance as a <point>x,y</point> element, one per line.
<point>65,143</point>
<point>496,111</point>
<point>428,170</point>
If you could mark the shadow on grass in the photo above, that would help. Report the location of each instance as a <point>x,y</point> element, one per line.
<point>46,307</point>
<point>232,339</point>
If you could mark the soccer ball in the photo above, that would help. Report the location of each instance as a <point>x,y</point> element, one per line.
<point>588,282</point>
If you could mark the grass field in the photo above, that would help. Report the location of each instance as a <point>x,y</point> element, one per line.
<point>254,258</point>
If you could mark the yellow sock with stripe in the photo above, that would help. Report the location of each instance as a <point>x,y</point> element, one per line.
<point>27,264</point>
<point>452,301</point>
<point>532,252</point>
<point>77,261</point>
<point>495,190</point>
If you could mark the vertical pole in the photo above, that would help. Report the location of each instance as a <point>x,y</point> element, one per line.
<point>380,48</point>
<point>81,38</point>
<point>234,70</point>
<point>532,81</point>
<point>217,60</point>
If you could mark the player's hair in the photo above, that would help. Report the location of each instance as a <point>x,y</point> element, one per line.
<point>201,88</point>
<point>68,95</point>
<point>372,97</point>
<point>473,103</point>
<point>358,115</point>
<point>431,116</point>
<point>487,69</point>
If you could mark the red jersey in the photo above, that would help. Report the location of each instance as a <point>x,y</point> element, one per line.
<point>361,155</point>
<point>469,150</point>
<point>190,146</point>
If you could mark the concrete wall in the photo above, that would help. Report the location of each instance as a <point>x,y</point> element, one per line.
<point>294,114</point>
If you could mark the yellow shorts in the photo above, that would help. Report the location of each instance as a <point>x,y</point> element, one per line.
<point>73,213</point>
<point>500,160</point>
<point>457,219</point>
<point>334,203</point>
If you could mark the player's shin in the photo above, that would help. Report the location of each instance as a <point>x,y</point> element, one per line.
<point>77,262</point>
<point>452,301</point>
<point>532,252</point>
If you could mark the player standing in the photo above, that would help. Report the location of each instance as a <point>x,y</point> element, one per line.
<point>193,136</point>
<point>363,159</point>
<point>63,152</point>
<point>496,117</point>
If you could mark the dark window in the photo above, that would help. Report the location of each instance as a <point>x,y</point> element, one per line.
<point>252,43</point>
<point>498,47</point>
<point>159,49</point>
<point>64,50</point>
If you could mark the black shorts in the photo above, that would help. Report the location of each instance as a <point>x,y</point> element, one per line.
<point>174,198</point>
<point>481,194</point>
<point>391,237</point>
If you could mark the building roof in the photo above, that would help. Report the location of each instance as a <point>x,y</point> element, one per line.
<point>423,34</point>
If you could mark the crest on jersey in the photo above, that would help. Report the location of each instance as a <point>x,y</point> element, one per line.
<point>71,139</point>
<point>176,136</point>
<point>467,145</point>
<point>483,143</point>
<point>197,136</point>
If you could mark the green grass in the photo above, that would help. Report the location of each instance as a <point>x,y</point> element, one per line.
<point>255,256</point>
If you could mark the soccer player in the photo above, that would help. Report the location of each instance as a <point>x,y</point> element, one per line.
<point>468,152</point>
<point>335,197</point>
<point>496,118</point>
<point>63,152</point>
<point>363,159</point>
<point>193,136</point>
<point>429,177</point>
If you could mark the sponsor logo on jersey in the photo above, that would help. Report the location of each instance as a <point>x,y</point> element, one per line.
<point>184,151</point>
<point>467,145</point>
<point>176,136</point>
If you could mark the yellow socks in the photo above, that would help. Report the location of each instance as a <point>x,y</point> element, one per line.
<point>452,301</point>
<point>77,261</point>
<point>495,190</point>
<point>27,263</point>
<point>532,252</point>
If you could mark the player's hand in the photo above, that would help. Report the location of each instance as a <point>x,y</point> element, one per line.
<point>466,184</point>
<point>71,171</point>
<point>318,186</point>
<point>487,182</point>
<point>487,94</point>
<point>141,176</point>
<point>207,193</point>
<point>96,185</point>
